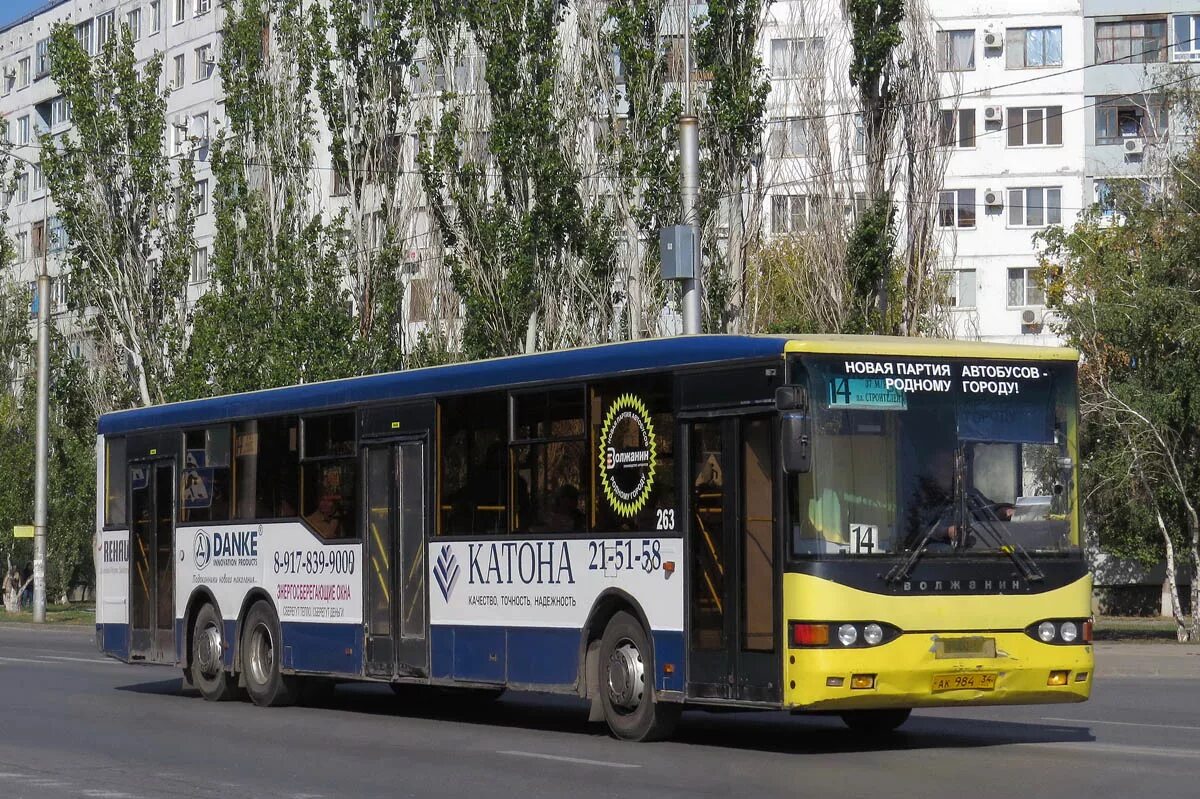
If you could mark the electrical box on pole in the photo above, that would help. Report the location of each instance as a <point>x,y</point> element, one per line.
<point>677,252</point>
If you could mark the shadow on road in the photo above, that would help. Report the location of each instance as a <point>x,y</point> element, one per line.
<point>762,731</point>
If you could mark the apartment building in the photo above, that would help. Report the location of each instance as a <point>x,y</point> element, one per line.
<point>186,32</point>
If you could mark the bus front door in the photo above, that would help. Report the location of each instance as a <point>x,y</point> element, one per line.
<point>395,517</point>
<point>152,576</point>
<point>733,630</point>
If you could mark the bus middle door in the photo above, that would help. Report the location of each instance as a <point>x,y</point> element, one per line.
<point>394,543</point>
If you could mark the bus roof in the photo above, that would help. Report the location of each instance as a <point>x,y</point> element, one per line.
<point>575,364</point>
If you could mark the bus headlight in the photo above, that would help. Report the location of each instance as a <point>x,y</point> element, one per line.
<point>1061,632</point>
<point>872,633</point>
<point>847,634</point>
<point>1068,632</point>
<point>1046,631</point>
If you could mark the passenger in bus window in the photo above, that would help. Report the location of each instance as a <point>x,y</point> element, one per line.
<point>325,519</point>
<point>564,516</point>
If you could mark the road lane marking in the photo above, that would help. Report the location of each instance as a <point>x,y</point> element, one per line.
<point>25,660</point>
<point>83,660</point>
<point>1109,749</point>
<point>1125,723</point>
<point>96,793</point>
<point>564,759</point>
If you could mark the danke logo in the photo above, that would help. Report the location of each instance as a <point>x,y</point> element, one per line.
<point>203,550</point>
<point>445,571</point>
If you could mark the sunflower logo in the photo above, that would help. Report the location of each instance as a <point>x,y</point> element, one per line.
<point>628,452</point>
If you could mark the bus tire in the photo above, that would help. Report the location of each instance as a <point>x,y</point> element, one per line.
<point>267,686</point>
<point>876,722</point>
<point>627,683</point>
<point>207,668</point>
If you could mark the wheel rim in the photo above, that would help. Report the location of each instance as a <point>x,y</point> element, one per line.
<point>209,650</point>
<point>262,654</point>
<point>626,676</point>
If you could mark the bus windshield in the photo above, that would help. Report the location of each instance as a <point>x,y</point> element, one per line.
<point>943,456</point>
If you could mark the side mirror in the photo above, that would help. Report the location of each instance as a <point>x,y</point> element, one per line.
<point>794,442</point>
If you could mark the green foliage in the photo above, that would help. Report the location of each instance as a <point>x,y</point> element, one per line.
<point>524,250</point>
<point>875,35</point>
<point>1128,295</point>
<point>126,211</point>
<point>870,262</point>
<point>276,312</point>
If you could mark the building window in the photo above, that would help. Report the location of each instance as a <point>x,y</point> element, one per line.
<point>83,35</point>
<point>1187,37</point>
<point>177,81</point>
<point>1121,118</point>
<point>960,287</point>
<point>789,213</point>
<point>203,7</point>
<point>1035,127</point>
<point>180,11</point>
<point>795,58</point>
<point>860,135</point>
<point>1134,42</point>
<point>1033,47</point>
<point>58,292</point>
<point>200,265</point>
<point>23,131</point>
<point>155,16</point>
<point>133,21</point>
<point>21,245</point>
<point>60,111</point>
<point>179,136</point>
<point>39,178</point>
<point>200,197</point>
<point>1025,287</point>
<point>205,62</point>
<point>23,72</point>
<point>106,28</point>
<point>957,128</point>
<point>10,79</point>
<point>57,235</point>
<point>791,136</point>
<point>22,187</point>
<point>956,208</point>
<point>42,58</point>
<point>37,238</point>
<point>956,51</point>
<point>199,131</point>
<point>1034,207</point>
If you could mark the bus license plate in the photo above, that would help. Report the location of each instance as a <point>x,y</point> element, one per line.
<point>978,681</point>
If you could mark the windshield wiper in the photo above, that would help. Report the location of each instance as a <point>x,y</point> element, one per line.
<point>901,571</point>
<point>989,522</point>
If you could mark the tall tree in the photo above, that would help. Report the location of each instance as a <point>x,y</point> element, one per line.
<point>126,211</point>
<point>1128,297</point>
<point>277,311</point>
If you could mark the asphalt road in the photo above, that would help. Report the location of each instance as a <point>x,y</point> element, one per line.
<point>76,725</point>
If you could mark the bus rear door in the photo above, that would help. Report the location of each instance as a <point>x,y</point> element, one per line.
<point>395,519</point>
<point>152,551</point>
<point>733,634</point>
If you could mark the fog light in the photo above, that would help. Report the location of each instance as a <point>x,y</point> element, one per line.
<point>835,682</point>
<point>1058,678</point>
<point>1081,677</point>
<point>847,634</point>
<point>862,681</point>
<point>872,634</point>
<point>1046,631</point>
<point>1068,632</point>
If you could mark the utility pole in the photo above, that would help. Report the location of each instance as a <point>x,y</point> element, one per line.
<point>689,183</point>
<point>43,426</point>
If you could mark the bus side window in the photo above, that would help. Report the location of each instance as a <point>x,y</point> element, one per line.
<point>473,496</point>
<point>115,468</point>
<point>329,476</point>
<point>548,461</point>
<point>267,468</point>
<point>204,487</point>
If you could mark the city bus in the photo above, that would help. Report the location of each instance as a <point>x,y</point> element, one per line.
<point>844,525</point>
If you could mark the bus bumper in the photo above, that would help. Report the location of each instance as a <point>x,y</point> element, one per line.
<point>907,673</point>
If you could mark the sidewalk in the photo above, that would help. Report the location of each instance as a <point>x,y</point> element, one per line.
<point>1175,661</point>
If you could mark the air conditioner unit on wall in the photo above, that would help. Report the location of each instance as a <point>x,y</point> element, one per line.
<point>993,37</point>
<point>1134,146</point>
<point>993,198</point>
<point>1030,318</point>
<point>993,113</point>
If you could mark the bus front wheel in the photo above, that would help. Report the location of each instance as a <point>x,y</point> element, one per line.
<point>208,657</point>
<point>627,683</point>
<point>261,650</point>
<point>876,722</point>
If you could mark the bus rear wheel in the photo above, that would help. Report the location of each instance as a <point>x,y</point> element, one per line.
<point>627,684</point>
<point>208,672</point>
<point>876,722</point>
<point>266,684</point>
